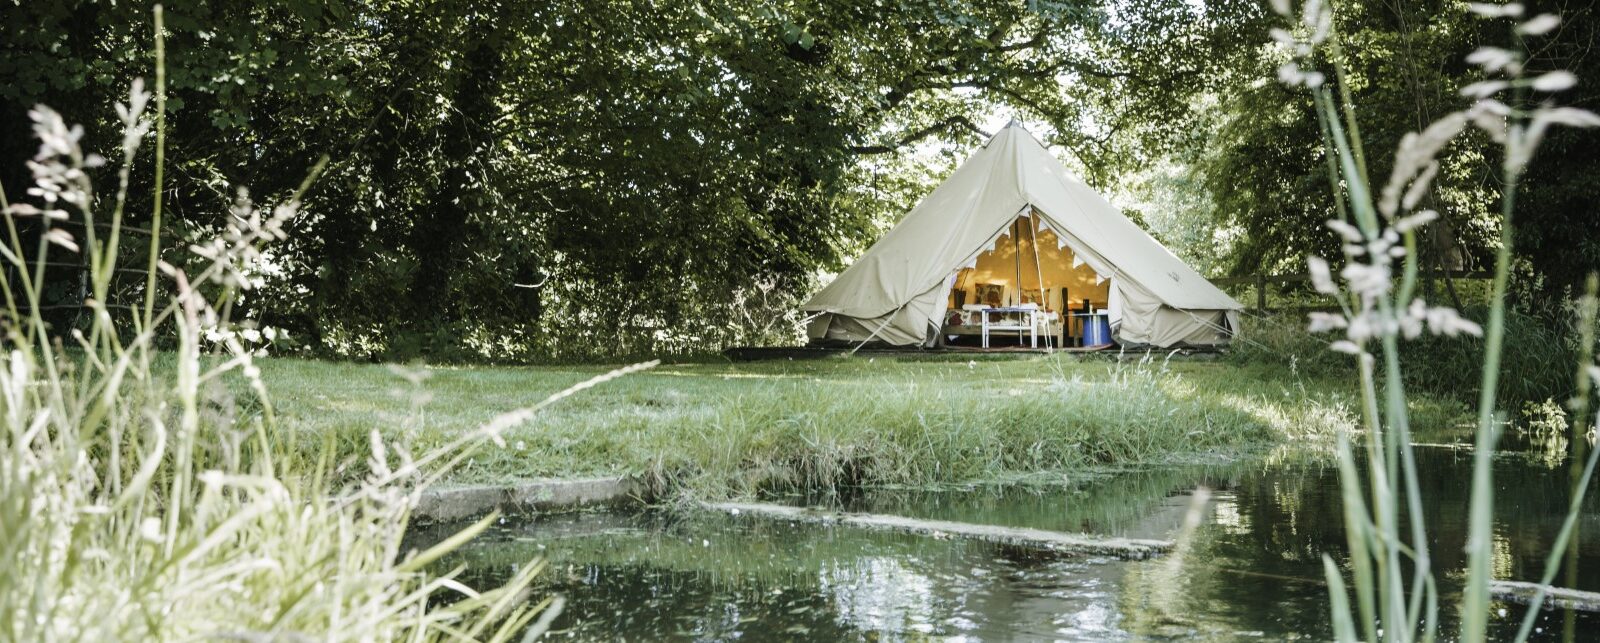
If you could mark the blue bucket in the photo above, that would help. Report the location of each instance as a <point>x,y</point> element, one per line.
<point>1096,330</point>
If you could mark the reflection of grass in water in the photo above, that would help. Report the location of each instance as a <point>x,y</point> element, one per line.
<point>741,555</point>
<point>702,564</point>
<point>1254,555</point>
<point>727,551</point>
<point>706,577</point>
<point>1099,500</point>
<point>1114,502</point>
<point>1107,502</point>
<point>1256,566</point>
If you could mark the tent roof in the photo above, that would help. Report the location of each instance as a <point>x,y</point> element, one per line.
<point>982,197</point>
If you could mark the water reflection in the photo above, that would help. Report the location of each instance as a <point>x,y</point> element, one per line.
<point>1250,570</point>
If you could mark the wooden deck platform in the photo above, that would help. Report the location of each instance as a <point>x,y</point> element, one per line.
<point>756,353</point>
<point>759,353</point>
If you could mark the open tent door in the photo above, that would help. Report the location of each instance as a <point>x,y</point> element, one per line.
<point>1025,264</point>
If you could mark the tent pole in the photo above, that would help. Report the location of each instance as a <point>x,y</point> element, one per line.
<point>1016,257</point>
<point>1038,266</point>
<point>1016,252</point>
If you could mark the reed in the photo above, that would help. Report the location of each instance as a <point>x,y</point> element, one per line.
<point>1379,309</point>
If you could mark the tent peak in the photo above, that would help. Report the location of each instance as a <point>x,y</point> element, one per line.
<point>1013,123</point>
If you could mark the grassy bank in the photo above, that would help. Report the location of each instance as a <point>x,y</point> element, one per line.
<point>728,429</point>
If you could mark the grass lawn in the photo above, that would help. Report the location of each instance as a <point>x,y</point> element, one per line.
<point>732,428</point>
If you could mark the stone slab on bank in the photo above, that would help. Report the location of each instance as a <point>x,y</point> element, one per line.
<point>1131,548</point>
<point>460,503</point>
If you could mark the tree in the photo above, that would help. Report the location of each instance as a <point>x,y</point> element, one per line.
<point>648,171</point>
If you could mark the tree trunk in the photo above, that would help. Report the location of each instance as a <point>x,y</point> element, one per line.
<point>441,229</point>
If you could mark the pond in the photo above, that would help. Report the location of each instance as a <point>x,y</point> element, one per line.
<point>1250,570</point>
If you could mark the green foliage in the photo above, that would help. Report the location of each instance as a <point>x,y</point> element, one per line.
<point>533,180</point>
<point>563,180</point>
<point>1282,341</point>
<point>1256,148</point>
<point>508,175</point>
<point>1540,350</point>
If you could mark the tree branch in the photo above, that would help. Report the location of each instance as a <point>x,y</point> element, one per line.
<point>951,123</point>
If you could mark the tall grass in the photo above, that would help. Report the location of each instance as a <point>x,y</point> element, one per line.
<point>137,502</point>
<point>1379,230</point>
<point>733,429</point>
<point>1536,371</point>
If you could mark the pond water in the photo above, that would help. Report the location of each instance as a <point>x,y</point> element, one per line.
<point>1251,570</point>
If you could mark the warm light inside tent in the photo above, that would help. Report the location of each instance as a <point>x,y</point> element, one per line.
<point>1012,272</point>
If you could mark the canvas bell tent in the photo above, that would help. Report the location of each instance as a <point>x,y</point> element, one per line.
<point>1011,229</point>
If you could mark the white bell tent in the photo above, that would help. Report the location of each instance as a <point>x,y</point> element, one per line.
<point>1011,227</point>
